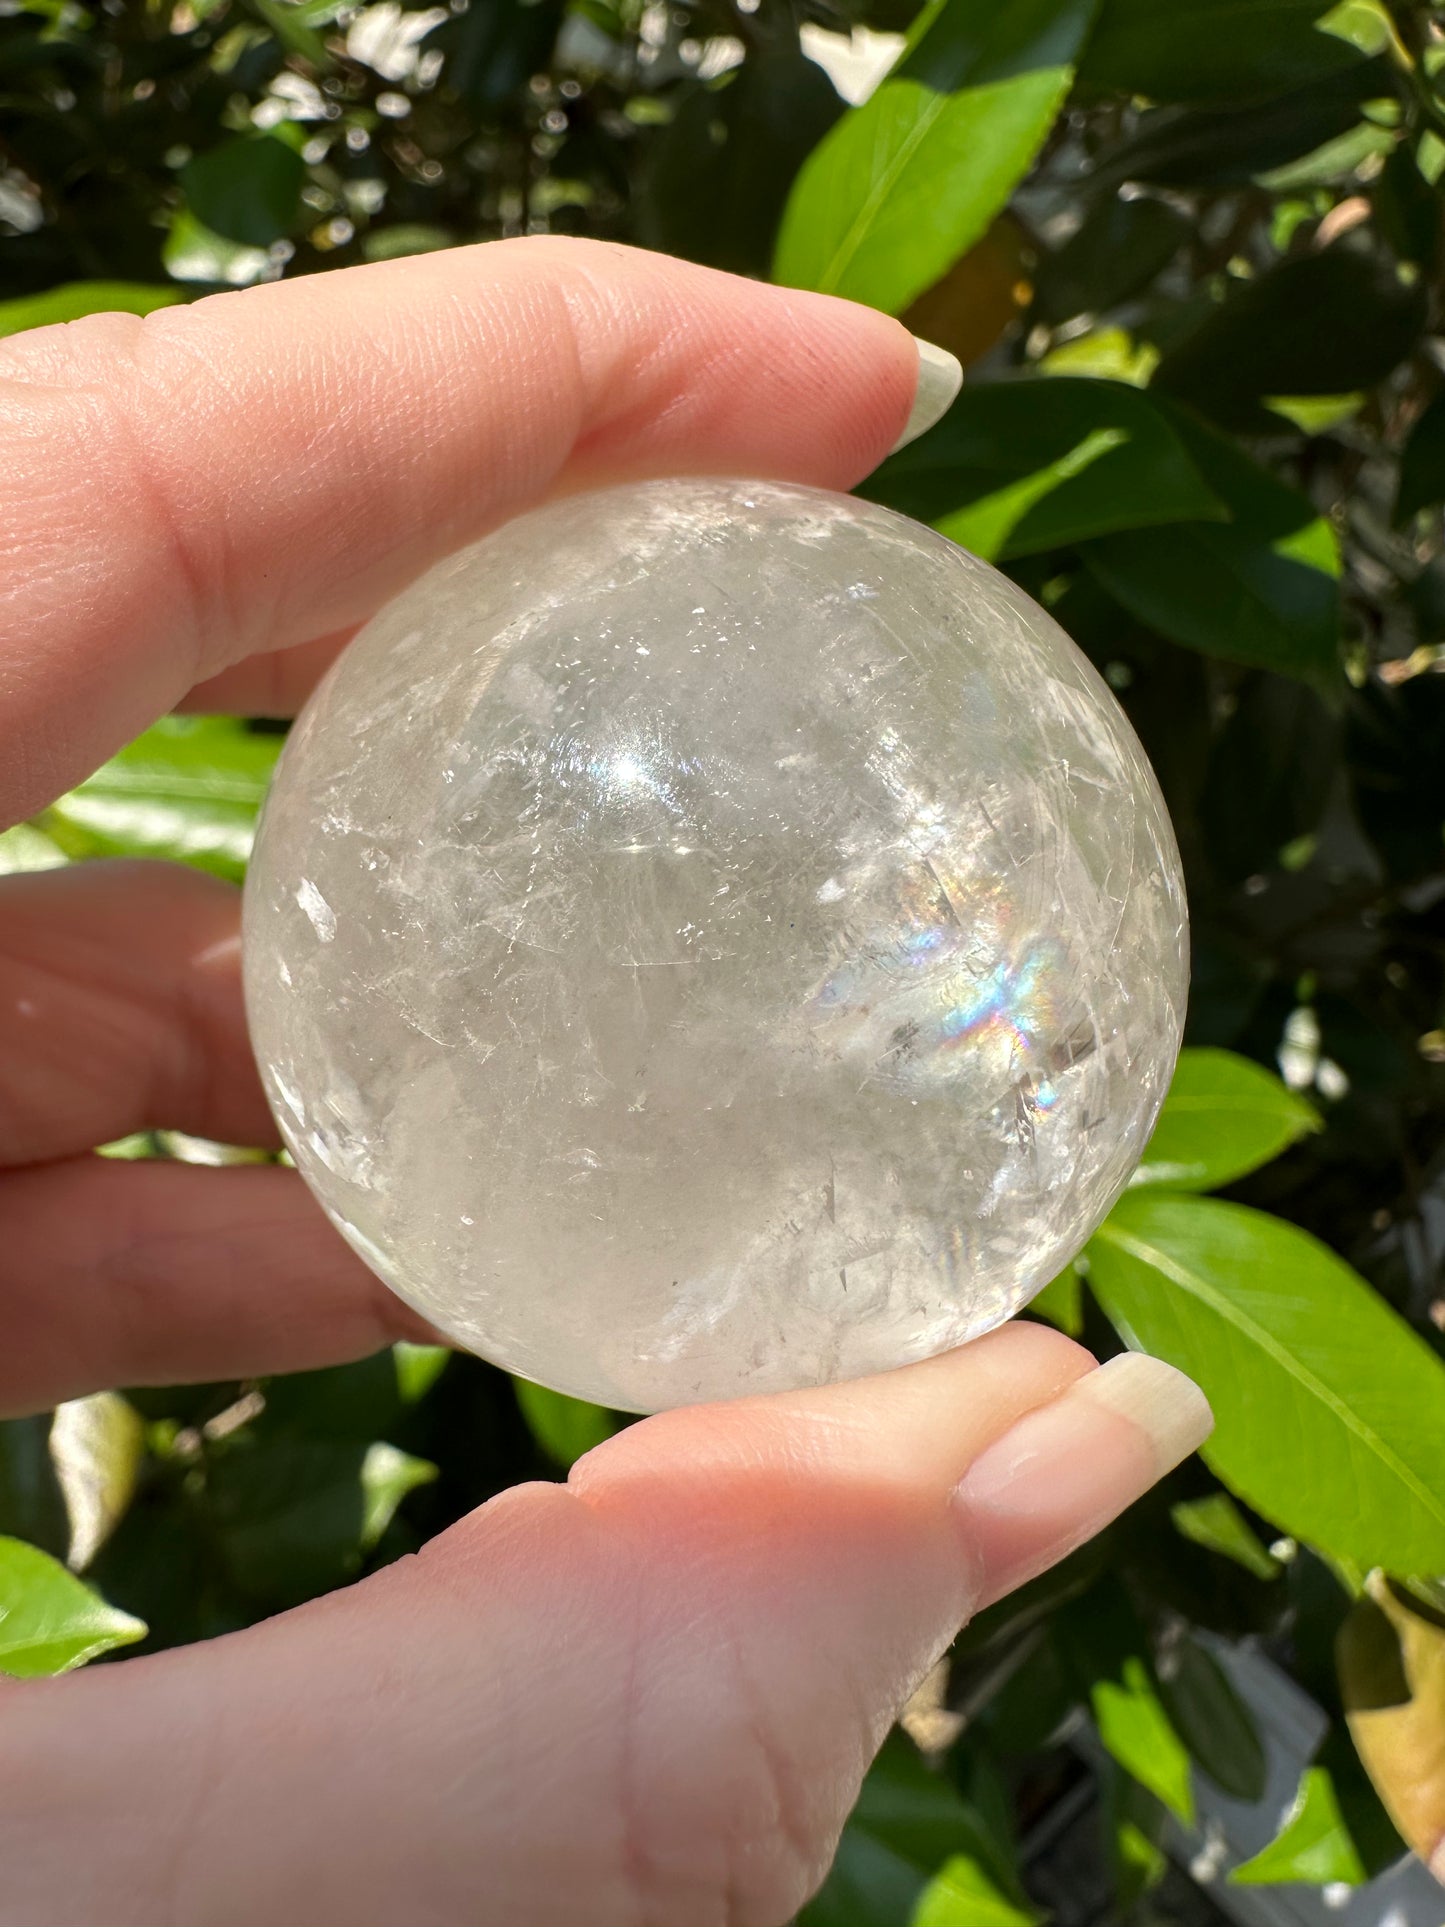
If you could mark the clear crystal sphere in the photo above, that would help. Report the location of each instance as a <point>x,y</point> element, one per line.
<point>713,937</point>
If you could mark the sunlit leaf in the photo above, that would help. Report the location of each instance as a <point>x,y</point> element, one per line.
<point>1061,1302</point>
<point>564,1427</point>
<point>1329,1411</point>
<point>906,183</point>
<point>1313,1846</point>
<point>78,298</point>
<point>1136,1730</point>
<point>50,1621</point>
<point>1031,465</point>
<point>1224,1116</point>
<point>189,789</point>
<point>1217,1524</point>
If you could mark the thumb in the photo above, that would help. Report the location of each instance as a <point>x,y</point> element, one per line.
<point>645,1699</point>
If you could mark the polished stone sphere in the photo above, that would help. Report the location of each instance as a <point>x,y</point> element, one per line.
<point>713,937</point>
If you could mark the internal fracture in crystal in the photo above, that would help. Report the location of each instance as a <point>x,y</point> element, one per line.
<point>713,937</point>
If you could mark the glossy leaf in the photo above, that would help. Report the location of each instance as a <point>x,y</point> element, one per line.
<point>1329,1411</point>
<point>1061,1302</point>
<point>1319,324</point>
<point>1313,1846</point>
<point>1259,588</point>
<point>50,1621</point>
<point>986,527</point>
<point>1197,50</point>
<point>193,252</point>
<point>188,789</point>
<point>962,1894</point>
<point>913,1841</point>
<point>387,1476</point>
<point>1212,1720</point>
<point>293,1516</point>
<point>1136,1729</point>
<point>23,848</point>
<point>1071,458</point>
<point>1224,1115</point>
<point>906,183</point>
<point>564,1427</point>
<point>248,190</point>
<point>78,298</point>
<point>1216,1523</point>
<point>418,1367</point>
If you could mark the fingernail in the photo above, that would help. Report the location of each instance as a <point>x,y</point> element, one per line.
<point>1064,1471</point>
<point>940,376</point>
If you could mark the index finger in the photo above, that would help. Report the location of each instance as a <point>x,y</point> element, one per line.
<point>185,490</point>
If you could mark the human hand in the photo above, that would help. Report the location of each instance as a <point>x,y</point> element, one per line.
<point>647,1696</point>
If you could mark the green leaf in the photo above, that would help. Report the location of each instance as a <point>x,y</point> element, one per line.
<point>986,526</point>
<point>1216,1523</point>
<point>248,190</point>
<point>564,1427</point>
<point>1062,1302</point>
<point>1136,1731</point>
<point>913,1842</point>
<point>387,1475</point>
<point>294,1516</point>
<point>1318,324</point>
<point>291,26</point>
<point>1212,1720</point>
<point>1072,458</point>
<point>24,848</point>
<point>1224,1115</point>
<point>1329,1410</point>
<point>188,789</point>
<point>1422,464</point>
<point>418,1367</point>
<point>906,183</point>
<point>961,1894</point>
<point>1197,50</point>
<point>1313,1846</point>
<point>1260,588</point>
<point>194,252</point>
<point>50,1621</point>
<point>78,298</point>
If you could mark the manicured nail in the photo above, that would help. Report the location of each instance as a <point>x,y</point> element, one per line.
<point>1064,1471</point>
<point>940,376</point>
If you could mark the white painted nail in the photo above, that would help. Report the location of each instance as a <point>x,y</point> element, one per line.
<point>940,376</point>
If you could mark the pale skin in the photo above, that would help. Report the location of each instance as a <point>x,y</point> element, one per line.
<point>644,1698</point>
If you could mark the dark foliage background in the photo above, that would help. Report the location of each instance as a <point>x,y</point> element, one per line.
<point>1192,256</point>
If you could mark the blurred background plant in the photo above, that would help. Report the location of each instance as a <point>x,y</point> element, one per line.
<point>1192,256</point>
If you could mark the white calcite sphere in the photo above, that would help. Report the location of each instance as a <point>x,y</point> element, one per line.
<point>712,937</point>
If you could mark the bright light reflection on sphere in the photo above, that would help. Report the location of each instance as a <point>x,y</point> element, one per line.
<point>713,937</point>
